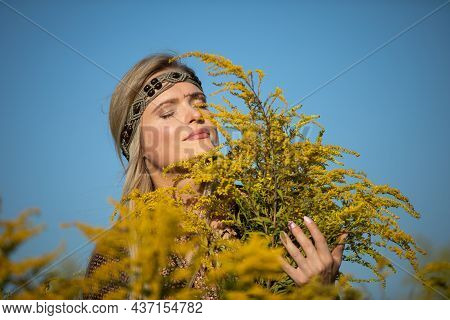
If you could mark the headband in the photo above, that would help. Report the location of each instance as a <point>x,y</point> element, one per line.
<point>149,92</point>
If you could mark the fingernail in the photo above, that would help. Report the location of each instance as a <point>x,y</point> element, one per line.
<point>291,225</point>
<point>307,219</point>
<point>341,239</point>
<point>283,237</point>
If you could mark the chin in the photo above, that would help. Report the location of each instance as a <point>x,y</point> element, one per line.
<point>197,149</point>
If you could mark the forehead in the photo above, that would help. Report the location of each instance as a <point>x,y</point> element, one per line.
<point>177,91</point>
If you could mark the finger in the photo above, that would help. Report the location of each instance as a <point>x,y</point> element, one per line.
<point>292,249</point>
<point>319,239</point>
<point>290,270</point>
<point>303,240</point>
<point>296,274</point>
<point>339,250</point>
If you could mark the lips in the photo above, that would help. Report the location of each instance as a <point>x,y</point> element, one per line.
<point>201,133</point>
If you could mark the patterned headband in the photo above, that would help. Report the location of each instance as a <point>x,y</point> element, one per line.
<point>149,92</point>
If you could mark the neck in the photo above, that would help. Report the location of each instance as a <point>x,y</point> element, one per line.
<point>168,180</point>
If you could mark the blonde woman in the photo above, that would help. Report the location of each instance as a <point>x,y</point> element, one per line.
<point>154,122</point>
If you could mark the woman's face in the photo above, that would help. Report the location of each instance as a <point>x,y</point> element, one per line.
<point>169,124</point>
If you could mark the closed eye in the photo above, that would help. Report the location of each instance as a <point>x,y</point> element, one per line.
<point>168,115</point>
<point>201,104</point>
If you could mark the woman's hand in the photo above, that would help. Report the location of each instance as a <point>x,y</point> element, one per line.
<point>318,261</point>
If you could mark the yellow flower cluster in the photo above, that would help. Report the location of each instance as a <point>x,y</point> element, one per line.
<point>276,174</point>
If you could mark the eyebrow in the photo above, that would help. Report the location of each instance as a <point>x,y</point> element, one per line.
<point>192,96</point>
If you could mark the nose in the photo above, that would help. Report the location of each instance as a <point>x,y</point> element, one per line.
<point>193,114</point>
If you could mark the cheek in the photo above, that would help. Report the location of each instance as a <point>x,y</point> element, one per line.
<point>151,139</point>
<point>159,139</point>
<point>162,142</point>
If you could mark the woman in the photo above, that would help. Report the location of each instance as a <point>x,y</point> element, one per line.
<point>154,122</point>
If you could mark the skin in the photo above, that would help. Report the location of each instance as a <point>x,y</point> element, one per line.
<point>163,137</point>
<point>164,131</point>
<point>319,260</point>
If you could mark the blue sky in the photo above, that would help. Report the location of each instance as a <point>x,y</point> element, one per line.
<point>393,107</point>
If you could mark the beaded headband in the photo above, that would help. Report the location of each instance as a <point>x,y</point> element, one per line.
<point>149,92</point>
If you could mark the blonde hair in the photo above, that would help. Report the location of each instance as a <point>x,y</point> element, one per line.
<point>136,172</point>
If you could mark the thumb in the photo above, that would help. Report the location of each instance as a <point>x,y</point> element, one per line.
<point>339,249</point>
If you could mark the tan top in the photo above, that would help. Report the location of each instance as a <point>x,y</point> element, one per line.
<point>97,260</point>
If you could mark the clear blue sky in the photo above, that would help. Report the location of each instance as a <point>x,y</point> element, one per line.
<point>393,107</point>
